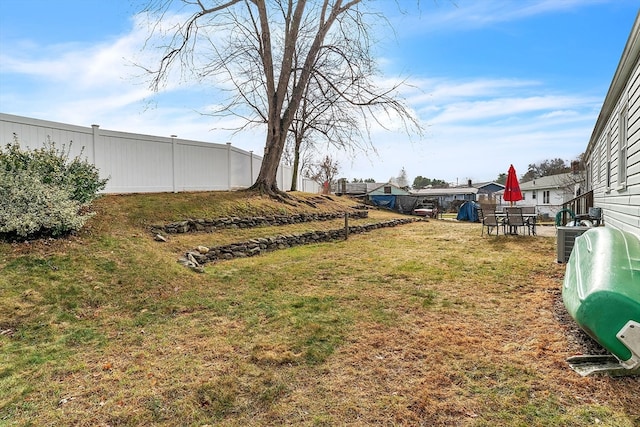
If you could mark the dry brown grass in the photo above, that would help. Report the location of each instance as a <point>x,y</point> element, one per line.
<point>424,324</point>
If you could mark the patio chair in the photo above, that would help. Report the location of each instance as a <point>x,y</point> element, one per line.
<point>515,220</point>
<point>489,221</point>
<point>531,219</point>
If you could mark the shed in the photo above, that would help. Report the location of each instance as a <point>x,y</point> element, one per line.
<point>385,195</point>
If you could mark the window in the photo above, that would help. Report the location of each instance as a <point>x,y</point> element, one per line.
<point>545,196</point>
<point>533,194</point>
<point>387,189</point>
<point>622,147</point>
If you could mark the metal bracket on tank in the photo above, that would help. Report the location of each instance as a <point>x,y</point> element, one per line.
<point>629,335</point>
<point>596,364</point>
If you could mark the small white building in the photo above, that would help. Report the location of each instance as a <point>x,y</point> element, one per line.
<point>547,194</point>
<point>612,156</point>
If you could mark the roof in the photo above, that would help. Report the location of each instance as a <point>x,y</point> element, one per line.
<point>481,185</point>
<point>551,181</point>
<point>356,187</point>
<point>361,188</point>
<point>388,184</point>
<point>445,191</point>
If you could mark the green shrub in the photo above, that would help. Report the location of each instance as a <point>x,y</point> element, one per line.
<point>44,192</point>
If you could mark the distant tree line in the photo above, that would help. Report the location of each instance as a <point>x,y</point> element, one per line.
<point>552,167</point>
<point>422,182</point>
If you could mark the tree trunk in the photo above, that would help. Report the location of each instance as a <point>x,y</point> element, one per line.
<point>296,165</point>
<point>267,182</point>
<point>294,177</point>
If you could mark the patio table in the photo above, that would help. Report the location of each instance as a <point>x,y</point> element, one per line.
<point>526,216</point>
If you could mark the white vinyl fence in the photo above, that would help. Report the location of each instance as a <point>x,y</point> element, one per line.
<point>136,163</point>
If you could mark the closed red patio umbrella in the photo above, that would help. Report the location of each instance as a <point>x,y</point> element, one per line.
<point>512,191</point>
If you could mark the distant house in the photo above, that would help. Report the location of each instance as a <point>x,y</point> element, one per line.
<point>446,197</point>
<point>388,195</point>
<point>549,193</point>
<point>612,157</point>
<point>454,196</point>
<point>363,189</point>
<point>489,192</point>
<point>387,189</point>
<point>385,195</point>
<point>355,189</point>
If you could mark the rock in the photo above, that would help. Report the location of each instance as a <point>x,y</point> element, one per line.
<point>197,268</point>
<point>191,258</point>
<point>185,262</point>
<point>160,238</point>
<point>202,254</point>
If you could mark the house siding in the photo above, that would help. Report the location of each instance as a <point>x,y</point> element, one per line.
<point>561,188</point>
<point>394,191</point>
<point>620,202</point>
<point>556,198</point>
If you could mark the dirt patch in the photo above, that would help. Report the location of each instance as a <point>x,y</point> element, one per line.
<point>579,341</point>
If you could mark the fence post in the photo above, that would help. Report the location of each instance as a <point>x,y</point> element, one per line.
<point>346,226</point>
<point>229,166</point>
<point>284,185</point>
<point>173,162</point>
<point>96,135</point>
<point>250,168</point>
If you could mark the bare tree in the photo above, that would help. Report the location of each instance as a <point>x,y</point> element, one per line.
<point>575,183</point>
<point>572,179</point>
<point>341,104</point>
<point>299,156</point>
<point>318,120</point>
<point>402,179</point>
<point>267,52</point>
<point>545,168</point>
<point>324,172</point>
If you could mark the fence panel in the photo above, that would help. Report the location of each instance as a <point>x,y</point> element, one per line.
<point>201,166</point>
<point>136,163</point>
<point>33,133</point>
<point>240,164</point>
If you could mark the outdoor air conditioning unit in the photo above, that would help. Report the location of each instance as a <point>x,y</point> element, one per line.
<point>566,238</point>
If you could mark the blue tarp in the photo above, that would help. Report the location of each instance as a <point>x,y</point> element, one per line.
<point>384,201</point>
<point>468,212</point>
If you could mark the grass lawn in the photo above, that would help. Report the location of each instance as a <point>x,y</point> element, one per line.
<point>423,324</point>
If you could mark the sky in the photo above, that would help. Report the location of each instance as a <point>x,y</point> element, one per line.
<point>493,82</point>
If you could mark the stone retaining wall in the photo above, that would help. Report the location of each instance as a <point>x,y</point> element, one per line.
<point>209,225</point>
<point>202,255</point>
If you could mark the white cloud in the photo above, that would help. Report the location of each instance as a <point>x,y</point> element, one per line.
<point>500,108</point>
<point>474,131</point>
<point>465,15</point>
